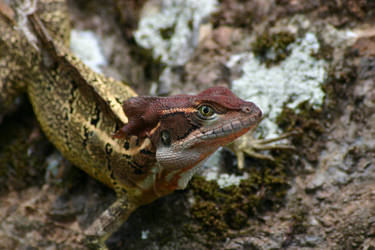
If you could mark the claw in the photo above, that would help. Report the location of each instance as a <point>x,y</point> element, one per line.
<point>250,146</point>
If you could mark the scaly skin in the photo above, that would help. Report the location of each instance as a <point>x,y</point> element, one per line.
<point>80,111</point>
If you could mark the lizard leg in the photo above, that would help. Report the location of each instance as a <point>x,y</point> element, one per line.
<point>107,223</point>
<point>250,146</point>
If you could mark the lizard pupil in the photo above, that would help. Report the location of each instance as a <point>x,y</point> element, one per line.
<point>206,111</point>
<point>166,138</point>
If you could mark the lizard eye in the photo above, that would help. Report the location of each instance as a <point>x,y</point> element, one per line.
<point>205,111</point>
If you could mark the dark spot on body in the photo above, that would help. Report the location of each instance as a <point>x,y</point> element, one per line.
<point>118,101</point>
<point>86,135</point>
<point>126,156</point>
<point>147,152</point>
<point>96,117</point>
<point>137,168</point>
<point>113,177</point>
<point>72,96</point>
<point>108,149</point>
<point>135,164</point>
<point>117,127</point>
<point>126,145</point>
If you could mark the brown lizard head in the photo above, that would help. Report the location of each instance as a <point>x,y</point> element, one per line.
<point>186,129</point>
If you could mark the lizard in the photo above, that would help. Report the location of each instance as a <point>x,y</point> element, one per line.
<point>141,147</point>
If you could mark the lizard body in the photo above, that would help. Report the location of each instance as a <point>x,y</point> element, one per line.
<point>143,152</point>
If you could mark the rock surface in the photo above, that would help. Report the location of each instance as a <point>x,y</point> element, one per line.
<point>320,197</point>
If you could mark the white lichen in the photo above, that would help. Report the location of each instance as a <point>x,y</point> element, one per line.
<point>53,162</point>
<point>212,171</point>
<point>86,46</point>
<point>145,234</point>
<point>226,180</point>
<point>172,30</point>
<point>296,79</point>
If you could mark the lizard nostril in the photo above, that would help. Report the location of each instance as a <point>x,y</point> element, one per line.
<point>251,108</point>
<point>247,109</point>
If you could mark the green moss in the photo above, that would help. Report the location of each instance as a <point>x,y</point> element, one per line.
<point>307,118</point>
<point>210,216</point>
<point>272,48</point>
<point>309,123</point>
<point>219,211</point>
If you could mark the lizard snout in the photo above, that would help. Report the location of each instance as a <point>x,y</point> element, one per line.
<point>251,108</point>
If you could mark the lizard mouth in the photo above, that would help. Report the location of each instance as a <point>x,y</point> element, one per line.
<point>233,127</point>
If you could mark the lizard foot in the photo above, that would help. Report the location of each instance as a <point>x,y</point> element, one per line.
<point>250,146</point>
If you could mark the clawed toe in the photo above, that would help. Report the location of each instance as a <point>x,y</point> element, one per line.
<point>251,147</point>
